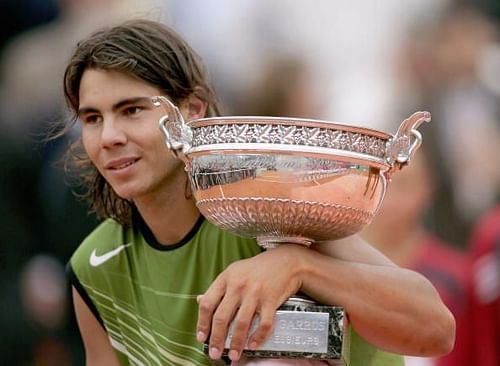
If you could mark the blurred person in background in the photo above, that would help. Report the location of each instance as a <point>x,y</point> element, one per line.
<point>442,70</point>
<point>399,232</point>
<point>23,332</point>
<point>44,302</point>
<point>350,65</point>
<point>284,88</point>
<point>452,67</point>
<point>33,62</point>
<point>26,338</point>
<point>485,255</point>
<point>18,16</point>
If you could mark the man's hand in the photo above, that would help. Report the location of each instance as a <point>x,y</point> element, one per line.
<point>249,287</point>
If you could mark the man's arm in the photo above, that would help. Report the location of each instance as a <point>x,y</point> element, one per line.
<point>395,309</point>
<point>98,350</point>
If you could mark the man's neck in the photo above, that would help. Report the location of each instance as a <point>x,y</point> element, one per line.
<point>170,217</point>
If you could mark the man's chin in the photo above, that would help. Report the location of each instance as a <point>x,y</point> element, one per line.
<point>126,193</point>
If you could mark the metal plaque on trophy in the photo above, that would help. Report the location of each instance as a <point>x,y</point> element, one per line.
<point>289,180</point>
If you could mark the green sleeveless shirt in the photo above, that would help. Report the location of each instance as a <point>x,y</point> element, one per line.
<point>144,294</point>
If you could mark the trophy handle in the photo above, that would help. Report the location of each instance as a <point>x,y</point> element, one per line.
<point>406,141</point>
<point>178,135</point>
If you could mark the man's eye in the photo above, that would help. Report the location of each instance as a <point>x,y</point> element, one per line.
<point>91,119</point>
<point>130,111</point>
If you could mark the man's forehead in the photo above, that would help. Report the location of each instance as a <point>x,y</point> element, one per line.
<point>119,84</point>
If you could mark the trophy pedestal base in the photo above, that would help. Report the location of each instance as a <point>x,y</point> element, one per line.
<point>302,329</point>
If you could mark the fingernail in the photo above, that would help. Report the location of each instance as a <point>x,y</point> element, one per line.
<point>214,353</point>
<point>234,355</point>
<point>252,346</point>
<point>200,337</point>
<point>198,298</point>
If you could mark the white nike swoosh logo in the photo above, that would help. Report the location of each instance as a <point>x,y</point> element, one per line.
<point>97,260</point>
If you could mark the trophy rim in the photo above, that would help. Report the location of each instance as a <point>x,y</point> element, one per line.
<point>290,136</point>
<point>290,121</point>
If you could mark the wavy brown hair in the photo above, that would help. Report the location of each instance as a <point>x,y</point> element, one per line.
<point>148,51</point>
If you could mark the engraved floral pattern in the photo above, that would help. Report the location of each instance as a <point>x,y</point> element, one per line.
<point>289,135</point>
<point>273,217</point>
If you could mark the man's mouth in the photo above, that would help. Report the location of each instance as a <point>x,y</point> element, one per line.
<point>121,164</point>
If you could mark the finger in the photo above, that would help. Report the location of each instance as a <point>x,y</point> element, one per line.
<point>207,304</point>
<point>240,328</point>
<point>264,329</point>
<point>220,323</point>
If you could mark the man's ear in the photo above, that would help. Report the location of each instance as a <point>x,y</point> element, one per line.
<point>196,108</point>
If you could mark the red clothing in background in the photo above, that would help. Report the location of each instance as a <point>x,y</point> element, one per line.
<point>449,271</point>
<point>485,252</point>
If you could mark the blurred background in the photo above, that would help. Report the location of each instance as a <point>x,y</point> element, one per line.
<point>353,61</point>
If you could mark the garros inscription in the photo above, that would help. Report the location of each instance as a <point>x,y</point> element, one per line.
<point>295,331</point>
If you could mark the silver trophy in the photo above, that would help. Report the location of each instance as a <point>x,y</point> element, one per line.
<point>289,180</point>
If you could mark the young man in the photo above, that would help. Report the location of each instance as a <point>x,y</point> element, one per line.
<point>138,277</point>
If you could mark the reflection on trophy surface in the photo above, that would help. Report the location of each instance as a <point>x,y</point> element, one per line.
<point>283,199</point>
<point>289,180</point>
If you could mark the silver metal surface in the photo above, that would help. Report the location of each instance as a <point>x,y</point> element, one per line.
<point>299,332</point>
<point>295,331</point>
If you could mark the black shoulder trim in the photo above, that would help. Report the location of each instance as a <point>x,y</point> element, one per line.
<point>73,280</point>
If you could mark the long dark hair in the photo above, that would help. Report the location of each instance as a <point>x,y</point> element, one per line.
<point>149,51</point>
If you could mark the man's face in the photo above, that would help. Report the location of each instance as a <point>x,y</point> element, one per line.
<point>121,135</point>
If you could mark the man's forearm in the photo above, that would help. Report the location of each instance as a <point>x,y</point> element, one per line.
<point>393,308</point>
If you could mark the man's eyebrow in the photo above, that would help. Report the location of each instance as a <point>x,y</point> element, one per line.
<point>118,105</point>
<point>85,110</point>
<point>127,101</point>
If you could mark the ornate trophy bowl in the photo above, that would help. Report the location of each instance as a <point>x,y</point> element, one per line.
<point>289,180</point>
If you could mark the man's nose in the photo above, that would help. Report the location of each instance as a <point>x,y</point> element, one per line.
<point>112,133</point>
